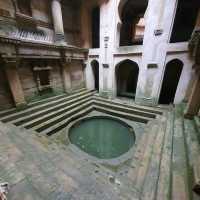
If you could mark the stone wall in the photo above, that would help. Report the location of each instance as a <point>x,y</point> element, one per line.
<point>57,80</point>
<point>77,75</point>
<point>29,83</point>
<point>71,21</point>
<point>27,79</point>
<point>151,56</point>
<point>41,10</point>
<point>7,8</point>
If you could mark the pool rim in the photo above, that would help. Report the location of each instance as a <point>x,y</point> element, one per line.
<point>111,161</point>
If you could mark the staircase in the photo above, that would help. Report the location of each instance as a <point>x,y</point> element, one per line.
<point>164,165</point>
<point>53,114</point>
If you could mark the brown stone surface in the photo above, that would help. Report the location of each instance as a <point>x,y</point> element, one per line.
<point>15,83</point>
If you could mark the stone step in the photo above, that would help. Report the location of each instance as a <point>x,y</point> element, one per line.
<point>141,145</point>
<point>197,126</point>
<point>55,97</point>
<point>144,165</point>
<point>180,188</point>
<point>164,181</point>
<point>149,188</point>
<point>48,104</point>
<point>125,115</point>
<point>74,114</point>
<point>32,104</point>
<point>132,106</point>
<point>141,158</point>
<point>60,119</point>
<point>110,105</point>
<point>121,184</point>
<point>45,121</point>
<point>36,116</point>
<point>193,151</point>
<point>48,178</point>
<point>6,112</point>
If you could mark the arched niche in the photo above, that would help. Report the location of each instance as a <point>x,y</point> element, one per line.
<point>126,73</point>
<point>170,82</point>
<point>95,71</point>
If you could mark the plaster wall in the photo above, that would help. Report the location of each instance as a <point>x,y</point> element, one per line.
<point>156,51</point>
<point>186,75</point>
<point>89,75</point>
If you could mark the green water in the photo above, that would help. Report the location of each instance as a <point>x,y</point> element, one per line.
<point>102,137</point>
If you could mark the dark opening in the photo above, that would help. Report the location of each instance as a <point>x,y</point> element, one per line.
<point>44,77</point>
<point>185,20</point>
<point>127,77</point>
<point>95,69</point>
<point>132,16</point>
<point>95,27</point>
<point>24,7</point>
<point>171,79</point>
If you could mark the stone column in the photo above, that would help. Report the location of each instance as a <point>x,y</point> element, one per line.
<point>66,77</point>
<point>86,32</point>
<point>193,105</point>
<point>15,83</point>
<point>58,21</point>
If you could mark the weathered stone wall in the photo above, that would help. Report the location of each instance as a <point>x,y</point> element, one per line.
<point>57,80</point>
<point>5,94</point>
<point>28,79</point>
<point>77,75</point>
<point>7,6</point>
<point>71,20</point>
<point>41,10</point>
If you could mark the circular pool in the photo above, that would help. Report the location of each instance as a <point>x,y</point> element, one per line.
<point>102,137</point>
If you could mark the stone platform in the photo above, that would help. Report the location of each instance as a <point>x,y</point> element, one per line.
<point>45,167</point>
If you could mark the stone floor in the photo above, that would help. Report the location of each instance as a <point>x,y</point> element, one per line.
<point>40,167</point>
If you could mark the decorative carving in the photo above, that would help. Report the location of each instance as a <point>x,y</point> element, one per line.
<point>105,65</point>
<point>11,62</point>
<point>4,13</point>
<point>152,65</point>
<point>158,32</point>
<point>34,35</point>
<point>42,68</point>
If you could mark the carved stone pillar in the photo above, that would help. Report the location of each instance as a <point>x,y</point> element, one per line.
<point>14,82</point>
<point>58,21</point>
<point>193,105</point>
